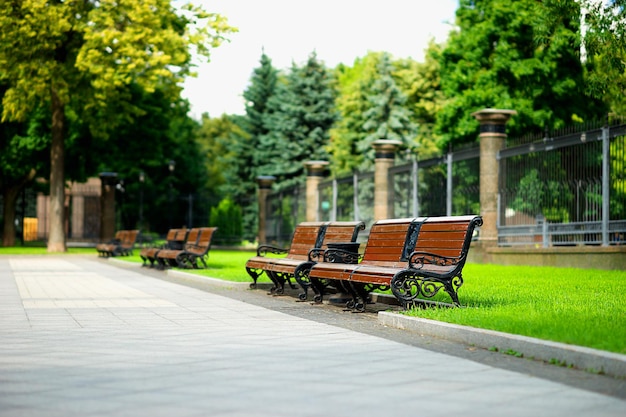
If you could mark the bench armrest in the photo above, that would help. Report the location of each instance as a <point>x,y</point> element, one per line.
<point>417,260</point>
<point>265,249</point>
<point>341,256</point>
<point>316,254</point>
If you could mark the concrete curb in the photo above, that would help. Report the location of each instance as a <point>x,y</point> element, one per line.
<point>592,360</point>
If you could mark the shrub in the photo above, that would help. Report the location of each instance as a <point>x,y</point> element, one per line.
<point>227,218</point>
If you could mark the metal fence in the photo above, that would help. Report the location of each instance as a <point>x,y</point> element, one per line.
<point>285,209</point>
<point>442,186</point>
<point>566,190</point>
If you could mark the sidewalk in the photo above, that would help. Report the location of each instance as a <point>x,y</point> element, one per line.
<point>84,337</point>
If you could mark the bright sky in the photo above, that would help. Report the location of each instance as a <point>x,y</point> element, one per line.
<point>339,31</point>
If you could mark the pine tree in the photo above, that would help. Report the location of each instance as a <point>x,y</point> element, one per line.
<point>354,85</point>
<point>299,117</point>
<point>388,117</point>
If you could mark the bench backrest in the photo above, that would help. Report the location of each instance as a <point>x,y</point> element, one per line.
<point>180,235</point>
<point>192,237</point>
<point>391,241</point>
<point>338,232</point>
<point>171,234</point>
<point>308,235</point>
<point>203,244</point>
<point>129,239</point>
<point>447,236</point>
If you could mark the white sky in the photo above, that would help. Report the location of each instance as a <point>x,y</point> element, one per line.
<point>339,31</point>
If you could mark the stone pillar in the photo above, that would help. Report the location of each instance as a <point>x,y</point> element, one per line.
<point>492,140</point>
<point>265,187</point>
<point>108,181</point>
<point>78,216</point>
<point>385,154</point>
<point>314,174</point>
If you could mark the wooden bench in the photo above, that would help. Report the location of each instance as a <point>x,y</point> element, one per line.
<point>196,247</point>
<point>283,269</point>
<point>415,257</point>
<point>437,261</point>
<point>191,253</point>
<point>122,245</point>
<point>167,257</point>
<point>306,236</point>
<point>105,249</point>
<point>175,239</point>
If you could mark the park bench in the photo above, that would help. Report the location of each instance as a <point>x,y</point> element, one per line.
<point>175,239</point>
<point>306,236</point>
<point>283,269</point>
<point>437,261</point>
<point>128,243</point>
<point>192,253</point>
<point>196,247</point>
<point>121,245</point>
<point>415,257</point>
<point>105,249</point>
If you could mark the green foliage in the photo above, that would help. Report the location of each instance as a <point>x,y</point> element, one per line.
<point>227,218</point>
<point>421,83</point>
<point>91,54</point>
<point>372,106</point>
<point>387,117</point>
<point>495,61</point>
<point>353,89</point>
<point>549,196</point>
<point>605,50</point>
<point>298,120</point>
<point>617,172</point>
<point>243,168</point>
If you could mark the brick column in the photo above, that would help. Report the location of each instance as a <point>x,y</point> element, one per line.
<point>265,187</point>
<point>108,181</point>
<point>315,171</point>
<point>385,155</point>
<point>492,139</point>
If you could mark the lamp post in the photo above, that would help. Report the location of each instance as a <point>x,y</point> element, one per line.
<point>120,187</point>
<point>171,165</point>
<point>142,179</point>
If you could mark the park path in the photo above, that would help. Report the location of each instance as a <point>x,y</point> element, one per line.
<point>84,337</point>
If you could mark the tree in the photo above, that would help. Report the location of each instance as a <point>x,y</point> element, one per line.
<point>22,148</point>
<point>299,118</point>
<point>494,60</point>
<point>244,140</point>
<point>353,87</point>
<point>603,33</point>
<point>53,52</point>
<point>421,82</point>
<point>388,117</point>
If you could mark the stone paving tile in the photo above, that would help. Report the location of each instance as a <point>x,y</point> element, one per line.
<point>91,339</point>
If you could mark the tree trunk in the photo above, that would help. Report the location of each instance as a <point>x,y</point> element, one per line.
<point>10,194</point>
<point>56,215</point>
<point>8,231</point>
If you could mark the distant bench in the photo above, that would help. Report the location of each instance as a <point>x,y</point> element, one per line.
<point>415,257</point>
<point>121,245</point>
<point>196,248</point>
<point>175,239</point>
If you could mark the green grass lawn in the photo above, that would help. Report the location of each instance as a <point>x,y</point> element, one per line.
<point>583,307</point>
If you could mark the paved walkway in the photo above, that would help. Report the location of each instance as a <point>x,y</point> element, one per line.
<point>84,337</point>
